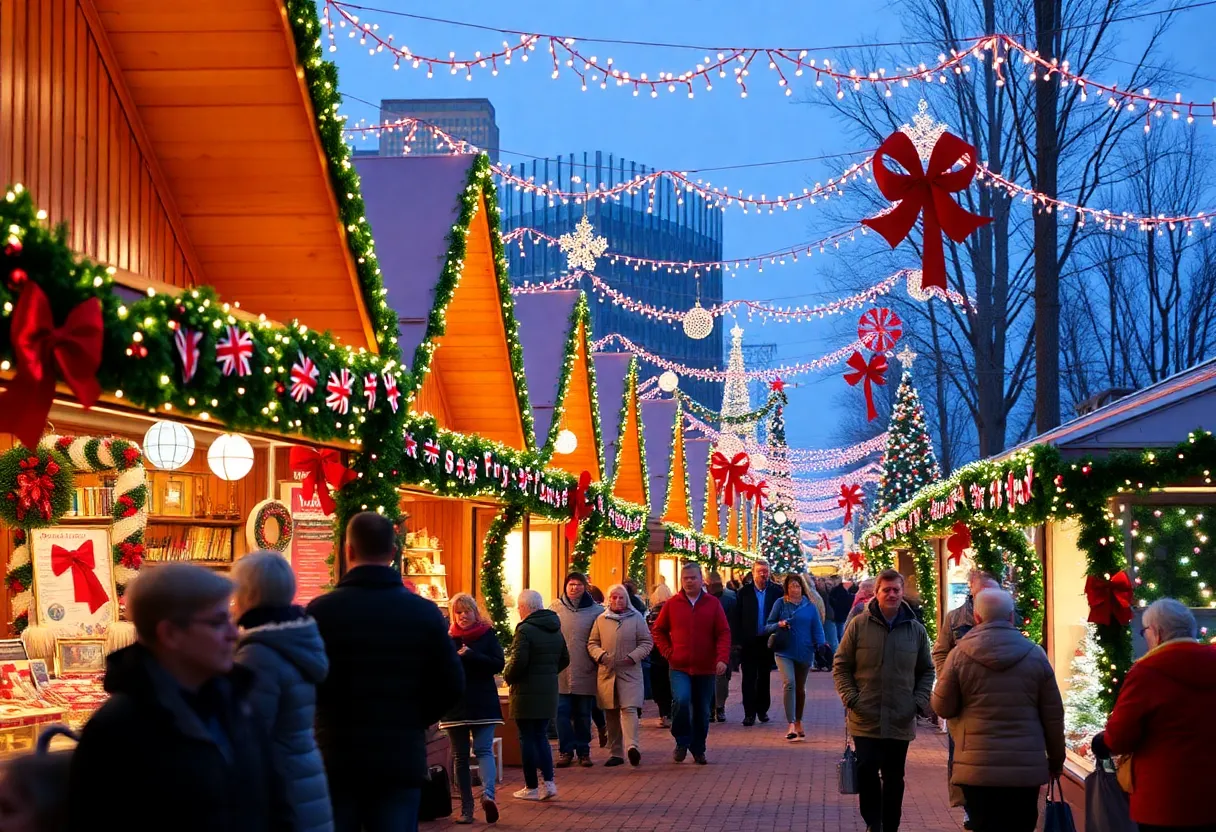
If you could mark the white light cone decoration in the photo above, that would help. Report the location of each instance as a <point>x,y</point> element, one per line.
<point>698,323</point>
<point>566,442</point>
<point>779,517</point>
<point>759,462</point>
<point>168,445</point>
<point>729,445</point>
<point>230,456</point>
<point>669,381</point>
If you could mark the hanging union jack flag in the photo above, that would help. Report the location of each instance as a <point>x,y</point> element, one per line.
<point>304,376</point>
<point>338,391</point>
<point>430,451</point>
<point>234,352</point>
<point>369,390</point>
<point>188,342</point>
<point>390,391</point>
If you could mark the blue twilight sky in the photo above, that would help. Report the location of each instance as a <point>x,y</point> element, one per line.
<point>539,116</point>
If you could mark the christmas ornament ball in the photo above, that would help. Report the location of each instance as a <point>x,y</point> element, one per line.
<point>698,323</point>
<point>230,456</point>
<point>669,381</point>
<point>566,442</point>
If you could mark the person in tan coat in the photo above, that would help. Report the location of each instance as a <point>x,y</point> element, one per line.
<point>620,639</point>
<point>1006,718</point>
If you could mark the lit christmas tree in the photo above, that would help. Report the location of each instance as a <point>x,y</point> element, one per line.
<point>780,541</point>
<point>1084,715</point>
<point>908,462</point>
<point>736,400</point>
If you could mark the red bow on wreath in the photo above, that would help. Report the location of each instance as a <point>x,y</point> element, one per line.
<point>34,488</point>
<point>926,194</point>
<point>39,348</point>
<point>872,372</point>
<point>323,470</point>
<point>959,541</point>
<point>850,498</point>
<point>87,588</point>
<point>857,560</point>
<point>580,506</point>
<point>1110,601</point>
<point>728,475</point>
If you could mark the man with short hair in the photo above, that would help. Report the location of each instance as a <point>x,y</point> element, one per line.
<point>178,720</point>
<point>578,683</point>
<point>884,675</point>
<point>393,672</point>
<point>692,633</point>
<point>728,599</point>
<point>754,603</point>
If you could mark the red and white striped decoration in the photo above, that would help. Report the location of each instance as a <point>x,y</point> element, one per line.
<point>234,352</point>
<point>369,390</point>
<point>304,376</point>
<point>339,389</point>
<point>188,343</point>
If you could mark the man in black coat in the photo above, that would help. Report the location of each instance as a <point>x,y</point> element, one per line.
<point>840,600</point>
<point>393,672</point>
<point>177,726</point>
<point>727,598</point>
<point>752,607</point>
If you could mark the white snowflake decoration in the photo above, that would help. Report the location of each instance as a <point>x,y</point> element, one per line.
<point>582,246</point>
<point>924,131</point>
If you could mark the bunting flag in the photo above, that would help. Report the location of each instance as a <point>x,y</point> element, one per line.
<point>304,376</point>
<point>234,352</point>
<point>369,390</point>
<point>391,392</point>
<point>339,389</point>
<point>189,347</point>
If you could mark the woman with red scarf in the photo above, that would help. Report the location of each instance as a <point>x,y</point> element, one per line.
<point>471,721</point>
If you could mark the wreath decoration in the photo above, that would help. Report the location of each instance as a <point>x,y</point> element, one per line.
<point>255,526</point>
<point>36,487</point>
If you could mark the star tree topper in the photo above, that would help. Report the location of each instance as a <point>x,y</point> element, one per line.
<point>906,357</point>
<point>924,131</point>
<point>582,246</point>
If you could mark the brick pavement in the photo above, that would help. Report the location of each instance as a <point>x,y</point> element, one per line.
<point>755,780</point>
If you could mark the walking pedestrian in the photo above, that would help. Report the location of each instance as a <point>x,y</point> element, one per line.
<point>841,602</point>
<point>694,636</point>
<point>727,598</point>
<point>178,718</point>
<point>755,602</point>
<point>636,602</point>
<point>34,791</point>
<point>794,621</point>
<point>884,675</point>
<point>470,723</point>
<point>863,596</point>
<point>538,655</point>
<point>283,648</point>
<point>619,641</point>
<point>578,683</point>
<point>1163,719</point>
<point>392,673</point>
<point>660,671</point>
<point>999,692</point>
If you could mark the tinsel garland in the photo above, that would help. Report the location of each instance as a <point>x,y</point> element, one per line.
<point>775,399</point>
<point>493,581</point>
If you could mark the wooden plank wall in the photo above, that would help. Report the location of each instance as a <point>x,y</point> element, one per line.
<point>66,136</point>
<point>608,564</point>
<point>451,522</point>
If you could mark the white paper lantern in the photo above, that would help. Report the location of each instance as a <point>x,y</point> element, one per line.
<point>779,517</point>
<point>669,381</point>
<point>759,462</point>
<point>168,445</point>
<point>230,456</point>
<point>698,323</point>
<point>566,442</point>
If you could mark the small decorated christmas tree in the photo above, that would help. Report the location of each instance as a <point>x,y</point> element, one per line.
<point>909,463</point>
<point>780,541</point>
<point>1084,715</point>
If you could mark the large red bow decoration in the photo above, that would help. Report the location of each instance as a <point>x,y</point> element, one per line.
<point>926,194</point>
<point>580,506</point>
<point>1110,601</point>
<point>850,498</point>
<point>87,588</point>
<point>34,487</point>
<point>40,347</point>
<point>323,470</point>
<point>728,475</point>
<point>959,541</point>
<point>857,560</point>
<point>871,372</point>
<point>757,491</point>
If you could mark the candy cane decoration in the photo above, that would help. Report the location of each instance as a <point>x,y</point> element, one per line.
<point>879,329</point>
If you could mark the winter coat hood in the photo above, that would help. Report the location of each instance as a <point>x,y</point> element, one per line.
<point>545,620</point>
<point>298,641</point>
<point>997,645</point>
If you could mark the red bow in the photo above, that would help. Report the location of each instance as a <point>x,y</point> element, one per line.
<point>873,372</point>
<point>34,488</point>
<point>1110,601</point>
<point>850,498</point>
<point>926,194</point>
<point>728,474</point>
<point>323,470</point>
<point>757,491</point>
<point>959,541</point>
<point>40,347</point>
<point>825,543</point>
<point>580,507</point>
<point>84,577</point>
<point>857,560</point>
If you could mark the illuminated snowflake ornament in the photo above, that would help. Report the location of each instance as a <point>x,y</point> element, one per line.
<point>924,131</point>
<point>582,246</point>
<point>906,357</point>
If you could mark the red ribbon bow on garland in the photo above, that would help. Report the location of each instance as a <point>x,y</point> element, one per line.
<point>825,543</point>
<point>1110,601</point>
<point>757,491</point>
<point>850,498</point>
<point>872,372</point>
<point>580,506</point>
<point>34,488</point>
<point>39,348</point>
<point>323,470</point>
<point>87,588</point>
<point>728,475</point>
<point>959,541</point>
<point>926,194</point>
<point>857,560</point>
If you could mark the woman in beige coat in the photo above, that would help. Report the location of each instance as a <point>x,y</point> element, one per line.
<point>619,641</point>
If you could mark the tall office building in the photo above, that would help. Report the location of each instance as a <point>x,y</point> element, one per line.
<point>660,227</point>
<point>468,119</point>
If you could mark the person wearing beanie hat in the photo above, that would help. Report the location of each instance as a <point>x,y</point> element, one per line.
<point>578,683</point>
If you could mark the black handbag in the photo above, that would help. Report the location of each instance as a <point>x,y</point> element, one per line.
<point>436,795</point>
<point>1057,815</point>
<point>846,768</point>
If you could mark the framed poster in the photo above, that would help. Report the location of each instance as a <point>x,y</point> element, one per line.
<point>73,578</point>
<point>79,655</point>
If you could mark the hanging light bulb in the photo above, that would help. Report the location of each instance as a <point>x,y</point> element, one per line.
<point>698,323</point>
<point>759,462</point>
<point>168,445</point>
<point>230,456</point>
<point>566,442</point>
<point>669,381</point>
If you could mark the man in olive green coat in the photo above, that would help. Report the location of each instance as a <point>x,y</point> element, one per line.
<point>884,675</point>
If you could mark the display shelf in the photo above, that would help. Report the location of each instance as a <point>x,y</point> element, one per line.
<point>422,549</point>
<point>210,564</point>
<point>157,519</point>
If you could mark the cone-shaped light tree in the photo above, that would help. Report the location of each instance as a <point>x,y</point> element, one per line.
<point>908,462</point>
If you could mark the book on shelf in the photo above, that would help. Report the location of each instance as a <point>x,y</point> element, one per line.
<point>190,543</point>
<point>93,501</point>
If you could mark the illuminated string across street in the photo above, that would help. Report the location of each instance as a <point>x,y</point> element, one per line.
<point>784,371</point>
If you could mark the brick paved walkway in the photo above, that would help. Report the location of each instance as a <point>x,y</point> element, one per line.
<point>755,782</point>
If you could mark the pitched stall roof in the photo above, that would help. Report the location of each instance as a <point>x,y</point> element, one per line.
<point>616,383</point>
<point>413,204</point>
<point>698,451</point>
<point>659,421</point>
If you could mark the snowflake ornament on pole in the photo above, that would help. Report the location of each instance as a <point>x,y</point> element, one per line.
<point>582,246</point>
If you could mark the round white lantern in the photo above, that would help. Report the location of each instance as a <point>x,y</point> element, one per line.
<point>669,381</point>
<point>698,323</point>
<point>230,456</point>
<point>779,517</point>
<point>168,445</point>
<point>729,445</point>
<point>759,462</point>
<point>566,442</point>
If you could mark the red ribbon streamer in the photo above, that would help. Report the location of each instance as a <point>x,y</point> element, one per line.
<point>850,498</point>
<point>87,588</point>
<point>728,475</point>
<point>323,470</point>
<point>926,194</point>
<point>857,560</point>
<point>959,541</point>
<point>580,507</point>
<point>39,348</point>
<point>1110,601</point>
<point>872,372</point>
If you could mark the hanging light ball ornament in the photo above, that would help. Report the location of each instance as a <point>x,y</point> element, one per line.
<point>168,445</point>
<point>698,323</point>
<point>566,442</point>
<point>230,456</point>
<point>729,445</point>
<point>669,381</point>
<point>759,462</point>
<point>779,516</point>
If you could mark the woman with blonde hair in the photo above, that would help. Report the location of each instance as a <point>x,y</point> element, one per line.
<point>620,640</point>
<point>471,721</point>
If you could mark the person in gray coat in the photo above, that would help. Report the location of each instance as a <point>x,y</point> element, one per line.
<point>283,648</point>
<point>579,682</point>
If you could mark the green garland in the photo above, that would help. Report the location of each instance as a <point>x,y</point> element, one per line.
<point>492,579</point>
<point>584,546</point>
<point>1161,532</point>
<point>710,552</point>
<point>637,558</point>
<point>47,466</point>
<point>992,545</point>
<point>775,399</point>
<point>925,561</point>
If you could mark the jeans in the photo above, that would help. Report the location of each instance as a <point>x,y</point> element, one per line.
<point>880,781</point>
<point>794,674</point>
<point>359,810</point>
<point>757,665</point>
<point>993,809</point>
<point>692,697</point>
<point>831,635</point>
<point>574,724</point>
<point>482,739</point>
<point>534,750</point>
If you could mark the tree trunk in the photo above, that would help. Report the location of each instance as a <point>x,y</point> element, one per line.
<point>1046,258</point>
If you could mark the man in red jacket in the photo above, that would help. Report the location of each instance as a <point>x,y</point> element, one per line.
<point>692,633</point>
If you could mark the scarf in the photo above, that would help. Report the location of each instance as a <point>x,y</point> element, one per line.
<point>584,601</point>
<point>470,635</point>
<point>618,616</point>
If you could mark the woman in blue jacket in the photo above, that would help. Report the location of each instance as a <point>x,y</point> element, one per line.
<point>797,633</point>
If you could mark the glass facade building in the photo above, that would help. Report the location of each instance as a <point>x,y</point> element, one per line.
<point>468,119</point>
